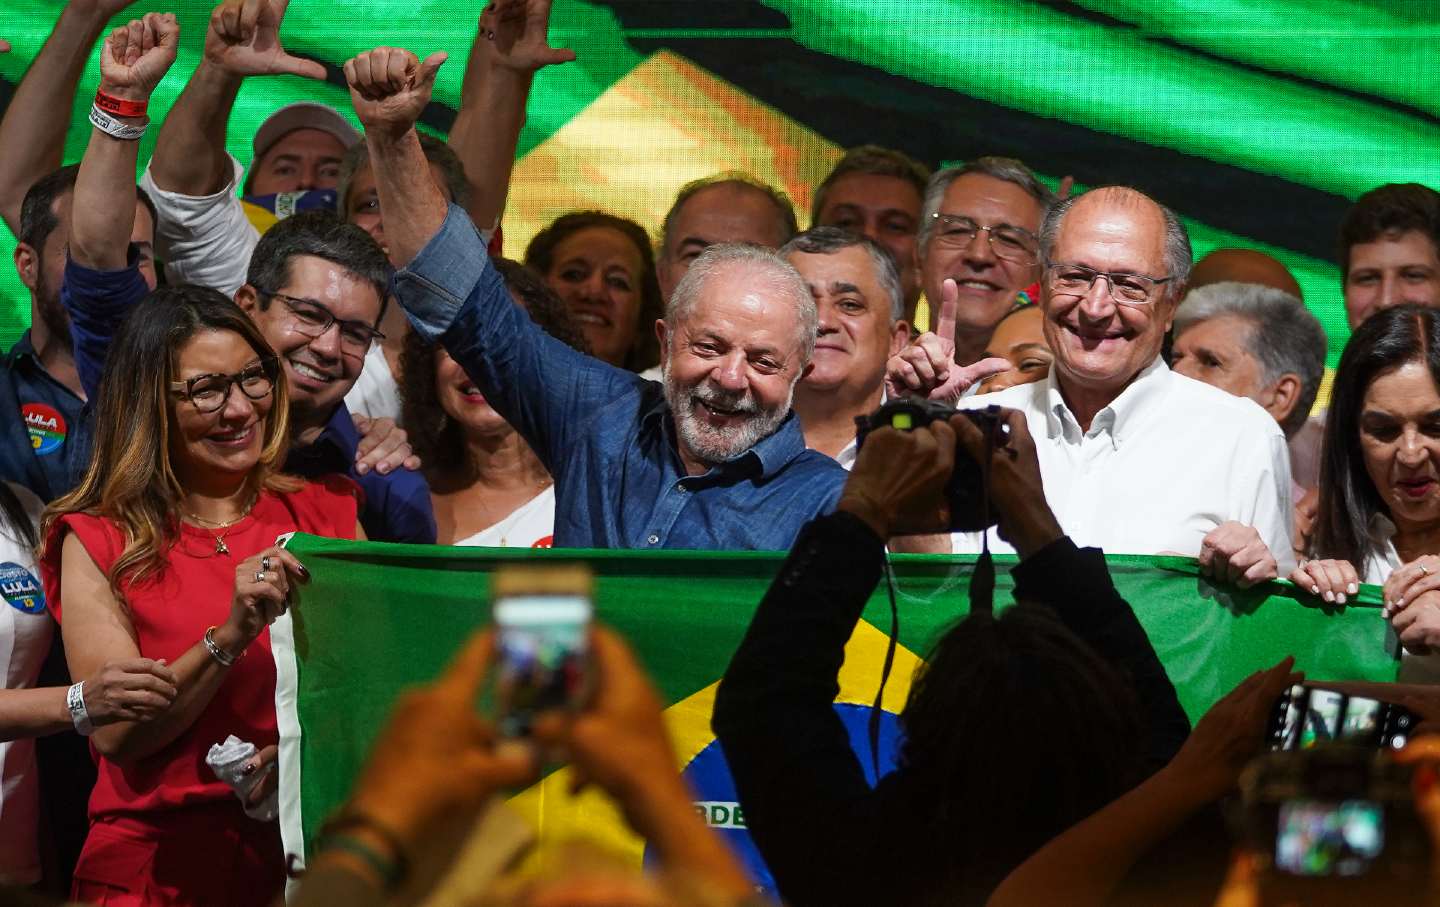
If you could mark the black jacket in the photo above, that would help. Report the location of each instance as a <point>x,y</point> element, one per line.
<point>827,837</point>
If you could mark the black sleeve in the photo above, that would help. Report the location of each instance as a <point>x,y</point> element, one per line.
<point>804,794</point>
<point>1076,583</point>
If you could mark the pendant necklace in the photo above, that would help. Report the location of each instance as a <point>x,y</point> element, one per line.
<point>223,526</point>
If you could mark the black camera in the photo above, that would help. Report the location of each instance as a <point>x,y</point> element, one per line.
<point>969,510</point>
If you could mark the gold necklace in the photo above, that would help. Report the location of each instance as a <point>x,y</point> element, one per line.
<point>220,546</point>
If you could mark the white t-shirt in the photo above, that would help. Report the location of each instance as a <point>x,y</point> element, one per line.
<point>26,628</point>
<point>375,393</point>
<point>205,240</point>
<point>1166,462</point>
<point>1380,561</point>
<point>531,525</point>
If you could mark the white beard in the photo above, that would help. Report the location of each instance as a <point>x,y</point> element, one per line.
<point>714,445</point>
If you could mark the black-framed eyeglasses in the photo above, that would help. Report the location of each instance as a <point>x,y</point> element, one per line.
<point>1007,241</point>
<point>208,393</point>
<point>1125,288</point>
<point>312,319</point>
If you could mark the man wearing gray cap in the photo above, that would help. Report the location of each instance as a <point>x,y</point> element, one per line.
<point>204,234</point>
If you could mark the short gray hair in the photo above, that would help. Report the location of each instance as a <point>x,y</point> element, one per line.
<point>1178,257</point>
<point>829,240</point>
<point>1284,337</point>
<point>1005,169</point>
<point>764,266</point>
<point>784,208</point>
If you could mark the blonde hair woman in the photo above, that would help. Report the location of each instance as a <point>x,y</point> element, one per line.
<point>167,550</point>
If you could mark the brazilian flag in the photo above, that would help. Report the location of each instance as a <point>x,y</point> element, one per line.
<point>1257,120</point>
<point>377,617</point>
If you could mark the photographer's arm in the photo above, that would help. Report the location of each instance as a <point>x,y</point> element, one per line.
<point>802,788</point>
<point>1085,864</point>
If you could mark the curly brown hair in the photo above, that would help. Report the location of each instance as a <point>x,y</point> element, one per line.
<point>540,254</point>
<point>434,436</point>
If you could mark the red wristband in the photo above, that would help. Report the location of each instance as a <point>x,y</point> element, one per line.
<point>120,107</point>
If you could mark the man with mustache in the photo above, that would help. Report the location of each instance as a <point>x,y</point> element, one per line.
<point>1136,458</point>
<point>711,458</point>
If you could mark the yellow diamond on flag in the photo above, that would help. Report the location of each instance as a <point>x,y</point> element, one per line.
<point>559,816</point>
<point>665,123</point>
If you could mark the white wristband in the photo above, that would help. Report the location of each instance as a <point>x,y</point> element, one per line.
<point>114,128</point>
<point>75,702</point>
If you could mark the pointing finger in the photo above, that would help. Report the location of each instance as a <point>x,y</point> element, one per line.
<point>949,305</point>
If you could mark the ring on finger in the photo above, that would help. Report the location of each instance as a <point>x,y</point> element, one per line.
<point>260,575</point>
<point>265,563</point>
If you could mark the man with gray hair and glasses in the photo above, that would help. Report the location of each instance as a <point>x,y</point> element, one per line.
<point>979,245</point>
<point>1253,341</point>
<point>1136,458</point>
<point>711,457</point>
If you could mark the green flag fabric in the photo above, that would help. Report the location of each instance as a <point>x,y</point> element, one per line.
<point>377,618</point>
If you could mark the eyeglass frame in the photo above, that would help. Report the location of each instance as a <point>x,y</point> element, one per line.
<point>374,333</point>
<point>1149,300</point>
<point>268,365</point>
<point>941,217</point>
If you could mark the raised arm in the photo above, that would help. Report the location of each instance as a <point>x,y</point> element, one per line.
<point>133,61</point>
<point>243,40</point>
<point>510,47</point>
<point>32,133</point>
<point>389,87</point>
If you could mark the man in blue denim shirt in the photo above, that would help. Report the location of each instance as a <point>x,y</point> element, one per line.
<point>712,459</point>
<point>317,287</point>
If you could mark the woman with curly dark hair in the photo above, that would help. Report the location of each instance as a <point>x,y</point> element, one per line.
<point>603,268</point>
<point>487,486</point>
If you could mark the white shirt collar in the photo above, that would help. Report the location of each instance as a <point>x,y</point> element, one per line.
<point>1121,418</point>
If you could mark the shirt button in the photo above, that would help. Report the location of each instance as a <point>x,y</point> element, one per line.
<point>653,539</point>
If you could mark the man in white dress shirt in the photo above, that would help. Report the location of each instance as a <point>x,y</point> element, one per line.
<point>1136,459</point>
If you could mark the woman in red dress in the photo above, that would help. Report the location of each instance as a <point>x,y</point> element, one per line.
<point>167,550</point>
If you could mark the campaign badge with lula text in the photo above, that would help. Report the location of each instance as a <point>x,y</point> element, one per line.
<point>46,427</point>
<point>21,589</point>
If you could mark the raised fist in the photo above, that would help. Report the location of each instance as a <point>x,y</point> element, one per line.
<point>390,87</point>
<point>136,56</point>
<point>244,38</point>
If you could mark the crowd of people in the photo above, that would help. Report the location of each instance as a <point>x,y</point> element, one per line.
<point>328,339</point>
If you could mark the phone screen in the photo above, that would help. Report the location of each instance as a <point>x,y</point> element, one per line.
<point>1328,838</point>
<point>541,657</point>
<point>1305,717</point>
<point>1321,722</point>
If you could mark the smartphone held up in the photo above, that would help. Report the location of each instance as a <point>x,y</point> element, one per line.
<point>542,617</point>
